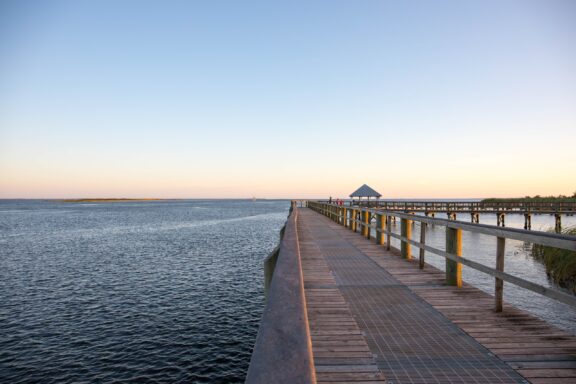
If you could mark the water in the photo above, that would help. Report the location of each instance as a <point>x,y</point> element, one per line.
<point>518,262</point>
<point>165,291</point>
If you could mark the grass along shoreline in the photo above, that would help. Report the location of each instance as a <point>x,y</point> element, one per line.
<point>560,263</point>
<point>533,199</point>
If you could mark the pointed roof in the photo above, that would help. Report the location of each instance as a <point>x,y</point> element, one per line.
<point>365,191</point>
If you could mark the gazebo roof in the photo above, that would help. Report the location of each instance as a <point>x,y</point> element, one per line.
<point>365,191</point>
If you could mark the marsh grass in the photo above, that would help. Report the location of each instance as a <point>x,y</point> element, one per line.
<point>550,199</point>
<point>534,199</point>
<point>560,263</point>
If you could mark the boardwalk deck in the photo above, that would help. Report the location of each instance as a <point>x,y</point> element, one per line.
<point>374,317</point>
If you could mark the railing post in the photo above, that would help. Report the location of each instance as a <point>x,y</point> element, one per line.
<point>349,218</point>
<point>406,231</point>
<point>344,216</point>
<point>380,228</point>
<point>454,247</point>
<point>388,231</point>
<point>501,217</point>
<point>366,224</point>
<point>354,223</point>
<point>557,223</point>
<point>422,242</point>
<point>527,221</point>
<point>499,288</point>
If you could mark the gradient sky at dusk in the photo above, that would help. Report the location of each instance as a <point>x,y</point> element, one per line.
<point>287,99</point>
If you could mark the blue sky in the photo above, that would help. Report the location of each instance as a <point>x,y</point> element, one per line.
<point>291,99</point>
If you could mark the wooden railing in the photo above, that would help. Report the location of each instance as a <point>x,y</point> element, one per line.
<point>283,349</point>
<point>473,206</point>
<point>360,218</point>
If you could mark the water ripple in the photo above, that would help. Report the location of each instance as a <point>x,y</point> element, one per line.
<point>149,294</point>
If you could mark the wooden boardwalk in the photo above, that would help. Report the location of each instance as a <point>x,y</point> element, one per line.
<point>375,317</point>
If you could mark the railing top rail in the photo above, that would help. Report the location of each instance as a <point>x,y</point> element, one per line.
<point>283,352</point>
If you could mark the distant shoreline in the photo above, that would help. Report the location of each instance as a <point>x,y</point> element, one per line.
<point>102,200</point>
<point>531,200</point>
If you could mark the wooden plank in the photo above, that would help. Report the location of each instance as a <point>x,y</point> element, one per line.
<point>535,357</point>
<point>543,364</point>
<point>341,353</point>
<point>548,373</point>
<point>347,368</point>
<point>349,376</point>
<point>549,380</point>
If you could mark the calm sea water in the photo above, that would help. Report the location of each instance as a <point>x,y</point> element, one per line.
<point>167,291</point>
<point>518,262</point>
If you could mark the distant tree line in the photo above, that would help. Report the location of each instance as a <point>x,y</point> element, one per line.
<point>535,199</point>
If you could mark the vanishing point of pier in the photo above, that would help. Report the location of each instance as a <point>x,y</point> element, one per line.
<point>344,306</point>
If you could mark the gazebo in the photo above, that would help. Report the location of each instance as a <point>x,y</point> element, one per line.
<point>364,191</point>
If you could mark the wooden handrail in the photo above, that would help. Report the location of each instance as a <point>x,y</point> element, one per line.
<point>283,349</point>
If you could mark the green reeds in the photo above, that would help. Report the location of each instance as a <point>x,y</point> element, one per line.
<point>560,263</point>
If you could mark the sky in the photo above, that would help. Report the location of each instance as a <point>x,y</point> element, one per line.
<point>293,99</point>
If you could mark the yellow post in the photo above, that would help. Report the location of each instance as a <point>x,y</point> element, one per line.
<point>354,223</point>
<point>380,220</point>
<point>406,231</point>
<point>345,217</point>
<point>365,223</point>
<point>454,247</point>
